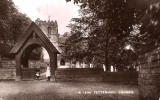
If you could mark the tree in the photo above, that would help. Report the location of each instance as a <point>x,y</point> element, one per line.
<point>118,17</point>
<point>18,24</point>
<point>12,24</point>
<point>78,43</point>
<point>149,37</point>
<point>76,47</point>
<point>6,8</point>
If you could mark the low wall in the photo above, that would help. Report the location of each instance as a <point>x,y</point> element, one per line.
<point>149,75</point>
<point>79,74</point>
<point>121,77</point>
<point>7,63</point>
<point>96,74</point>
<point>37,64</point>
<point>7,70</point>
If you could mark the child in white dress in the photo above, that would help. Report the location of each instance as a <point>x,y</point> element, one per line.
<point>48,73</point>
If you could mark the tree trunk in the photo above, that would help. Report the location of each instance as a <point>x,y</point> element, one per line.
<point>107,45</point>
<point>106,56</point>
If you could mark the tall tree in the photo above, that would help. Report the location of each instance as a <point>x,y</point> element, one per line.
<point>12,24</point>
<point>76,46</point>
<point>111,36</point>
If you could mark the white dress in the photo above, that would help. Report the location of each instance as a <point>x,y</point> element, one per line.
<point>48,73</point>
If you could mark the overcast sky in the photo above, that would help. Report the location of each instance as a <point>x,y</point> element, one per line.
<point>57,10</point>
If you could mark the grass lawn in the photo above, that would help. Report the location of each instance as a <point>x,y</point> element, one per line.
<point>42,90</point>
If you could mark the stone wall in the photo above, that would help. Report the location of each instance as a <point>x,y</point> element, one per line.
<point>121,77</point>
<point>37,64</point>
<point>7,70</point>
<point>79,74</point>
<point>7,63</point>
<point>95,74</point>
<point>149,75</point>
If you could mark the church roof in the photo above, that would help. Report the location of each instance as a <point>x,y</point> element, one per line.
<point>24,37</point>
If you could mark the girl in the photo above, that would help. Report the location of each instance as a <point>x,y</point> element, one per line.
<point>48,73</point>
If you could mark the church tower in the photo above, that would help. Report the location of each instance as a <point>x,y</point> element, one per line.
<point>50,28</point>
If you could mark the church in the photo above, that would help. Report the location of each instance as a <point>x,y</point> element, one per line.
<point>50,29</point>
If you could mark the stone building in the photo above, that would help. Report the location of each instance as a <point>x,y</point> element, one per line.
<point>50,29</point>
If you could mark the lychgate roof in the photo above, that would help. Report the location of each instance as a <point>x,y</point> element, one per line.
<point>24,37</point>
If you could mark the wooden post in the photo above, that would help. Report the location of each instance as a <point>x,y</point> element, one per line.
<point>53,66</point>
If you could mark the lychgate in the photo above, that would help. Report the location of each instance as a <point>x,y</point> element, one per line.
<point>31,39</point>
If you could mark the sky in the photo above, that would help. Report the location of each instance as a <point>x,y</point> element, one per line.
<point>59,10</point>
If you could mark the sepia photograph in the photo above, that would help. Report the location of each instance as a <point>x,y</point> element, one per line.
<point>79,49</point>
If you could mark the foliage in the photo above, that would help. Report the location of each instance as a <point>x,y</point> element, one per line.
<point>108,25</point>
<point>6,8</point>
<point>12,24</point>
<point>149,37</point>
<point>76,47</point>
<point>18,24</point>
